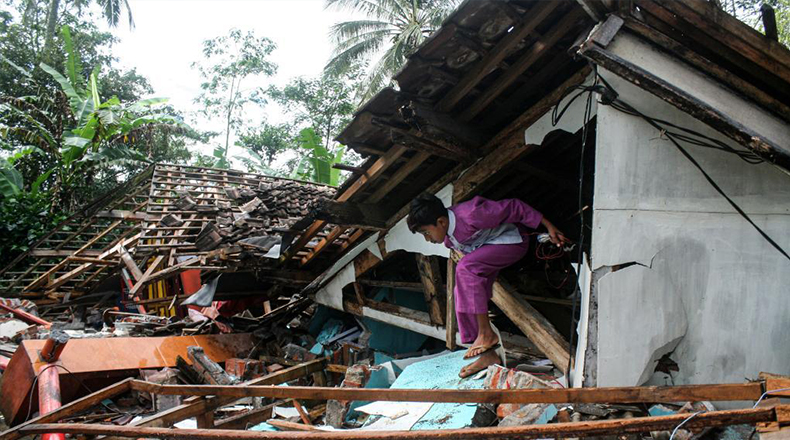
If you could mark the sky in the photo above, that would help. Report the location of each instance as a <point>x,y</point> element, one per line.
<point>168,35</point>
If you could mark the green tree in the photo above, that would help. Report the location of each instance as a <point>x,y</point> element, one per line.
<point>319,158</point>
<point>229,61</point>
<point>265,143</point>
<point>72,129</point>
<point>749,12</point>
<point>326,103</point>
<point>110,9</point>
<point>391,31</point>
<point>22,42</point>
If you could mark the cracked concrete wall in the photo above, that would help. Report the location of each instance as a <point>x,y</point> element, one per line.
<point>707,287</point>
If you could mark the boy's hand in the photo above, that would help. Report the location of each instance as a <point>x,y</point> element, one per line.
<point>556,236</point>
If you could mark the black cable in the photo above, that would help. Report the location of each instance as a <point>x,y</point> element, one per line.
<point>626,108</point>
<point>556,115</point>
<point>35,381</point>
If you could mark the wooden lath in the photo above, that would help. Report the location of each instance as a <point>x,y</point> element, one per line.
<point>56,264</point>
<point>123,230</point>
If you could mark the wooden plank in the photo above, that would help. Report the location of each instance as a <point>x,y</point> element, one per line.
<point>769,54</point>
<point>508,147</point>
<point>90,253</point>
<point>523,63</point>
<point>125,215</point>
<point>70,409</point>
<point>130,264</point>
<point>252,417</point>
<point>403,172</point>
<point>496,55</point>
<point>373,172</point>
<point>431,277</point>
<point>193,406</point>
<point>452,323</point>
<point>302,414</point>
<point>736,83</point>
<point>713,117</point>
<point>323,244</point>
<point>728,48</point>
<point>694,393</point>
<point>94,261</point>
<point>285,425</point>
<point>553,430</point>
<point>534,325</point>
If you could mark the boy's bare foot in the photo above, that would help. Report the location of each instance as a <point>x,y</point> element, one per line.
<point>480,364</point>
<point>483,342</point>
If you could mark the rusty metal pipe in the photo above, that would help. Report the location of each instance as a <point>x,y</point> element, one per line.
<point>54,346</point>
<point>49,398</point>
<point>27,317</point>
<point>49,395</point>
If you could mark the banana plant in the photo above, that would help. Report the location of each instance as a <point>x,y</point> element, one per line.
<point>77,133</point>
<point>319,159</point>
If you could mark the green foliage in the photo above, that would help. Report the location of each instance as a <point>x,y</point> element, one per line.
<point>75,130</point>
<point>749,12</point>
<point>324,105</point>
<point>391,31</point>
<point>229,61</point>
<point>264,143</point>
<point>24,218</point>
<point>319,158</point>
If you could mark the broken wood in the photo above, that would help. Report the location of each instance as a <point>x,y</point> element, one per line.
<point>193,406</point>
<point>352,215</point>
<point>431,277</point>
<point>208,370</point>
<point>290,426</point>
<point>695,393</point>
<point>554,430</point>
<point>452,324</point>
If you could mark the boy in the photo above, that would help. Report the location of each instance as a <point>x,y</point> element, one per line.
<point>492,235</point>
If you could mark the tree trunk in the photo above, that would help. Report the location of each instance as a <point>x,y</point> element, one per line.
<point>52,21</point>
<point>231,102</point>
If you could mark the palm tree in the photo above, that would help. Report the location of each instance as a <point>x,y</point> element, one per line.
<point>391,31</point>
<point>111,11</point>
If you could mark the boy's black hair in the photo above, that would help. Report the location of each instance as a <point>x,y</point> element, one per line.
<point>425,210</point>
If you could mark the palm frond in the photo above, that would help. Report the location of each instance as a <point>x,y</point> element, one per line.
<point>348,29</point>
<point>380,9</point>
<point>345,59</point>
<point>380,37</point>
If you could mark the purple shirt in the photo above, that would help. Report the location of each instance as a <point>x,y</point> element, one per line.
<point>480,221</point>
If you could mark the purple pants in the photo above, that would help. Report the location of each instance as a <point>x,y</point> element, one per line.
<point>474,278</point>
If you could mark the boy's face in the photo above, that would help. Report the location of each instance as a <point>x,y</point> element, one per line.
<point>435,233</point>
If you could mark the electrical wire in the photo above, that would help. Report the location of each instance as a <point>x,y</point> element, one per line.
<point>556,115</point>
<point>33,388</point>
<point>767,393</point>
<point>674,431</point>
<point>624,107</point>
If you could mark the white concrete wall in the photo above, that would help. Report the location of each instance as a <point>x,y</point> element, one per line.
<point>707,286</point>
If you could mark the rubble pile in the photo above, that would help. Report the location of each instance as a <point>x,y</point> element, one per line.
<point>258,215</point>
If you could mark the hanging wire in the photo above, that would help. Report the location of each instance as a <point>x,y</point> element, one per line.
<point>683,423</point>
<point>673,137</point>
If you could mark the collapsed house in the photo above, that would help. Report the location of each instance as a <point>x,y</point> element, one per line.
<point>652,132</point>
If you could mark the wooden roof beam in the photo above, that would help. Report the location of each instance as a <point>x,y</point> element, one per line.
<point>524,62</point>
<point>496,55</point>
<point>361,183</point>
